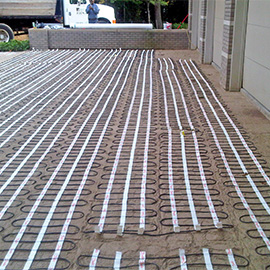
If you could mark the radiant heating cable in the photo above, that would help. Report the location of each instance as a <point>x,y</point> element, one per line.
<point>145,158</point>
<point>236,129</point>
<point>100,226</point>
<point>7,182</point>
<point>175,223</point>
<point>238,190</point>
<point>8,204</point>
<point>33,114</point>
<point>93,262</point>
<point>207,259</point>
<point>45,189</point>
<point>46,73</point>
<point>56,70</point>
<point>184,159</point>
<point>88,169</point>
<point>211,206</point>
<point>122,223</point>
<point>84,179</point>
<point>183,259</point>
<point>243,167</point>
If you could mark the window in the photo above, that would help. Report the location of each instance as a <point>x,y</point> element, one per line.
<point>77,2</point>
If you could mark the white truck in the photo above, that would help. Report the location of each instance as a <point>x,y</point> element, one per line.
<point>18,15</point>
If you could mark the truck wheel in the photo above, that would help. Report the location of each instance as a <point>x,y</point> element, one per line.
<point>6,33</point>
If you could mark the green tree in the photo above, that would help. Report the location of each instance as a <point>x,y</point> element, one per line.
<point>157,5</point>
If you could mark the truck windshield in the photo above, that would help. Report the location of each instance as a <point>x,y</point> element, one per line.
<point>77,1</point>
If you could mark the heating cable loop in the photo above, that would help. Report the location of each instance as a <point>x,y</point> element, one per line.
<point>30,74</point>
<point>54,72</point>
<point>8,181</point>
<point>145,158</point>
<point>184,261</point>
<point>13,67</point>
<point>48,131</point>
<point>175,222</point>
<point>40,102</point>
<point>100,226</point>
<point>245,171</point>
<point>260,168</point>
<point>42,194</point>
<point>254,187</point>
<point>211,206</point>
<point>131,59</point>
<point>131,159</point>
<point>238,190</point>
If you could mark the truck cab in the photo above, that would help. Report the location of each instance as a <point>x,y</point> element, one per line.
<point>17,15</point>
<point>74,13</point>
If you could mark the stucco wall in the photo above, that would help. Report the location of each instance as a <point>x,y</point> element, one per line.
<point>256,79</point>
<point>218,31</point>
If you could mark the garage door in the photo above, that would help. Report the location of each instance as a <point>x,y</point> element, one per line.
<point>218,31</point>
<point>256,78</point>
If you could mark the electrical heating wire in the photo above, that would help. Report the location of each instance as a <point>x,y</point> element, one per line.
<point>240,162</point>
<point>227,166</point>
<point>23,67</point>
<point>184,158</point>
<point>174,214</point>
<point>100,226</point>
<point>211,206</point>
<point>57,135</point>
<point>16,60</point>
<point>57,198</point>
<point>29,110</point>
<point>42,194</point>
<point>54,71</point>
<point>93,157</point>
<point>25,76</point>
<point>205,260</point>
<point>146,154</point>
<point>122,222</point>
<point>28,141</point>
<point>260,168</point>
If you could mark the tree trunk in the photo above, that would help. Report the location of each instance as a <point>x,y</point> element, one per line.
<point>148,11</point>
<point>158,15</point>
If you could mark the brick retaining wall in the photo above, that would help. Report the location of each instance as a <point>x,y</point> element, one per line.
<point>44,39</point>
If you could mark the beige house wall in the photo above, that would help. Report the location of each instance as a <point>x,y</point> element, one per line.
<point>256,76</point>
<point>218,31</point>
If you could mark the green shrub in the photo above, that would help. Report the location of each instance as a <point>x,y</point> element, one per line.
<point>14,45</point>
<point>183,26</point>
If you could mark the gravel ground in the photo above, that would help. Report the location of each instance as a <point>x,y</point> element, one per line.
<point>147,129</point>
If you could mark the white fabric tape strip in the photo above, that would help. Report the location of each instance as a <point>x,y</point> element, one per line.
<point>133,148</point>
<point>104,211</point>
<point>145,159</point>
<point>207,259</point>
<point>183,259</point>
<point>216,221</point>
<point>42,194</point>
<point>236,129</point>
<point>39,143</point>
<point>231,259</point>
<point>117,260</point>
<point>93,262</point>
<point>142,260</point>
<point>86,173</point>
<point>245,171</point>
<point>238,190</point>
<point>175,223</point>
